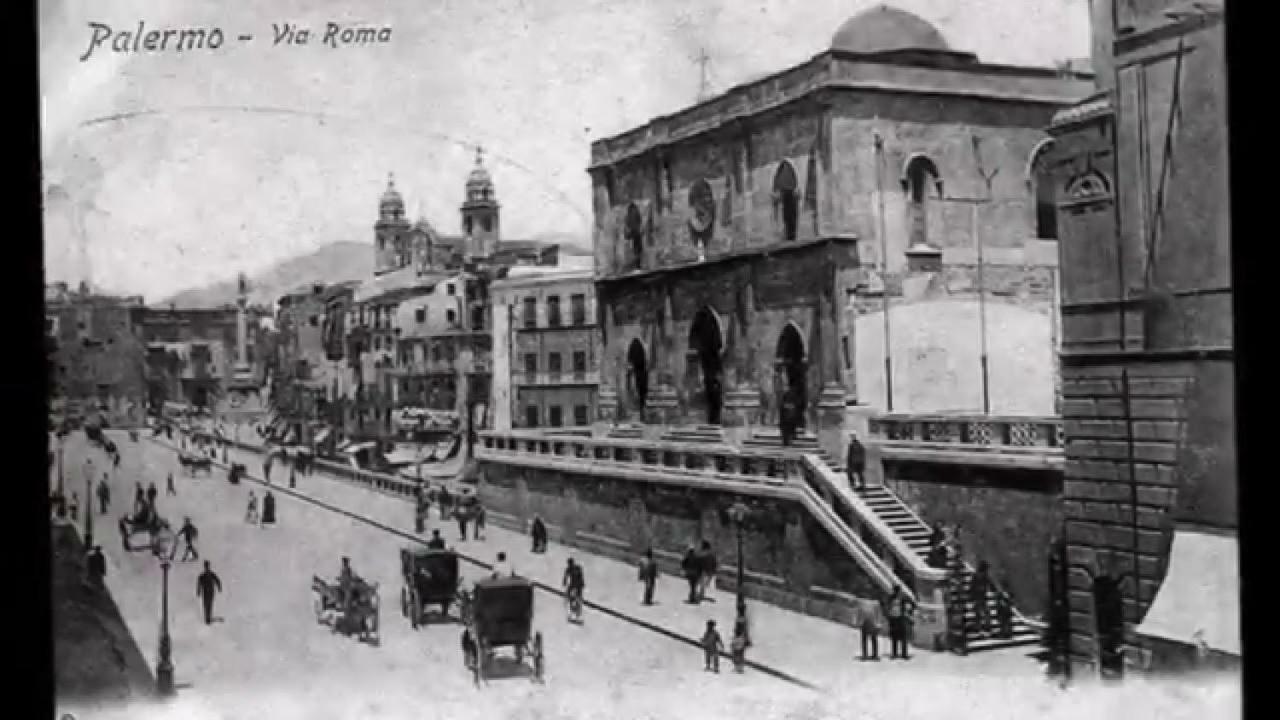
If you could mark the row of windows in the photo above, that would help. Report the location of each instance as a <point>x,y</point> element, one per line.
<point>554,364</point>
<point>555,416</point>
<point>577,311</point>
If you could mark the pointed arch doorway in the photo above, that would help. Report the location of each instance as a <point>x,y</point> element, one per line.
<point>706,344</point>
<point>637,376</point>
<point>791,368</point>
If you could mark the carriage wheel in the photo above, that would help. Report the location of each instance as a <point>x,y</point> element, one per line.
<point>539,664</point>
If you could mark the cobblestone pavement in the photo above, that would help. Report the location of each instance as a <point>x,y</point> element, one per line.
<point>270,658</point>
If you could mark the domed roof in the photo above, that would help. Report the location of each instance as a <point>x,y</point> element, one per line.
<point>885,29</point>
<point>479,175</point>
<point>391,197</point>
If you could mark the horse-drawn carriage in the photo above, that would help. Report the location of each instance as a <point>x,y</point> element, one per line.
<point>352,610</point>
<point>501,615</point>
<point>193,463</point>
<point>430,578</point>
<point>146,521</point>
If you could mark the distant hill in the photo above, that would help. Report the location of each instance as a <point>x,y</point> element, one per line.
<point>334,263</point>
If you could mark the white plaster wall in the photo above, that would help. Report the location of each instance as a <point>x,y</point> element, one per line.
<point>500,402</point>
<point>936,351</point>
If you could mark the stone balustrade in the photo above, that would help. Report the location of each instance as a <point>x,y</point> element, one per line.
<point>987,430</point>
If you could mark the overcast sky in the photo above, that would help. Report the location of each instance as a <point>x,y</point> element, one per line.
<point>217,162</point>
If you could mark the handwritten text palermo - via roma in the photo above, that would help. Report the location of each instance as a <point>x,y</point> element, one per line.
<point>212,38</point>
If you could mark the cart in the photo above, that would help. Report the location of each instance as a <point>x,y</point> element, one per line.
<point>356,615</point>
<point>430,578</point>
<point>501,615</point>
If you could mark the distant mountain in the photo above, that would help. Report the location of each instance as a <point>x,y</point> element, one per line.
<point>333,263</point>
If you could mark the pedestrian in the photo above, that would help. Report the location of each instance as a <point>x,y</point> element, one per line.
<point>251,514</point>
<point>421,507</point>
<point>293,477</point>
<point>502,567</point>
<point>692,570</point>
<point>648,575</point>
<point>869,618</point>
<point>712,646</point>
<point>708,569</point>
<point>96,566</point>
<point>74,508</point>
<point>738,646</point>
<point>268,509</point>
<point>1004,612</point>
<point>937,557</point>
<point>979,586</point>
<point>461,515</point>
<point>188,533</point>
<point>856,463</point>
<point>152,492</point>
<point>169,489</point>
<point>479,520</point>
<point>207,586</point>
<point>266,470</point>
<point>899,612</point>
<point>436,542</point>
<point>539,533</point>
<point>115,460</point>
<point>787,418</point>
<point>104,495</point>
<point>139,499</point>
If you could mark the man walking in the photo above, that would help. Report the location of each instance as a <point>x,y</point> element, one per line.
<point>692,570</point>
<point>169,489</point>
<point>855,463</point>
<point>708,567</point>
<point>712,646</point>
<point>152,492</point>
<point>479,522</point>
<point>899,612</point>
<point>648,575</point>
<point>97,566</point>
<point>104,495</point>
<point>188,534</point>
<point>207,586</point>
<point>869,617</point>
<point>251,514</point>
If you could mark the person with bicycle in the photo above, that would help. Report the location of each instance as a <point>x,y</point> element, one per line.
<point>574,583</point>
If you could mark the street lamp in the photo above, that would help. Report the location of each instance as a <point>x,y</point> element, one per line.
<point>164,668</point>
<point>739,513</point>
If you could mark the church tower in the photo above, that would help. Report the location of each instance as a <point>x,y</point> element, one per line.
<point>480,212</point>
<point>391,232</point>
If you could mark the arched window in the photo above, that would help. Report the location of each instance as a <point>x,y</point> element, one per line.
<point>918,177</point>
<point>702,212</point>
<point>1043,191</point>
<point>786,200</point>
<point>633,233</point>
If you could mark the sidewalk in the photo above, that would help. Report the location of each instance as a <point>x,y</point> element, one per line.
<point>813,650</point>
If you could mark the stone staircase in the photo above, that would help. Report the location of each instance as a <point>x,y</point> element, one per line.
<point>916,533</point>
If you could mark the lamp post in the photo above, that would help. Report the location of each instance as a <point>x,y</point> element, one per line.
<point>164,668</point>
<point>739,512</point>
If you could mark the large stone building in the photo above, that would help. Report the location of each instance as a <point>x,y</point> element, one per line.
<point>751,243</point>
<point>93,345</point>
<point>1141,173</point>
<point>546,349</point>
<point>191,354</point>
<point>417,333</point>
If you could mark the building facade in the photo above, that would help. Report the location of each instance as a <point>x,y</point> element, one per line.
<point>94,351</point>
<point>751,245</point>
<point>191,354</point>
<point>1147,357</point>
<point>418,333</point>
<point>546,349</point>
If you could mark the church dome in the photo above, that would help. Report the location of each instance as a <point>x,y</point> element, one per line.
<point>479,182</point>
<point>885,29</point>
<point>391,199</point>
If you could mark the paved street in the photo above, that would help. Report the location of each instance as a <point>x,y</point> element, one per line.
<point>269,657</point>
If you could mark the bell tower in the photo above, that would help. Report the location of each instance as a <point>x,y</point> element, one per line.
<point>391,230</point>
<point>480,211</point>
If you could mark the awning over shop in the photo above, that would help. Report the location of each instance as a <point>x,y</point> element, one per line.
<point>1199,600</point>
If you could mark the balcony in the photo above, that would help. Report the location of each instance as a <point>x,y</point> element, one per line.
<point>589,377</point>
<point>1029,442</point>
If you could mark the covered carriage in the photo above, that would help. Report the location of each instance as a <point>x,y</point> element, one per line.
<point>146,522</point>
<point>501,615</point>
<point>194,463</point>
<point>431,577</point>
